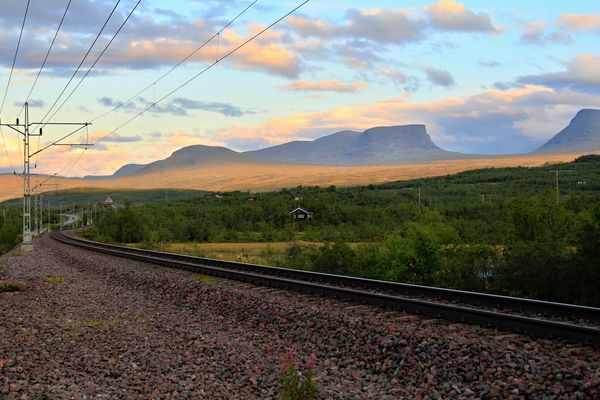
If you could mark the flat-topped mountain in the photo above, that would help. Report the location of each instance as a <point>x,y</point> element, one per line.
<point>380,145</point>
<point>375,146</point>
<point>581,135</point>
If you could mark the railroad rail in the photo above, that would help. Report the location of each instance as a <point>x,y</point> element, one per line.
<point>455,305</point>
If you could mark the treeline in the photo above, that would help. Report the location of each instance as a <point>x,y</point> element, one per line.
<point>540,251</point>
<point>10,228</point>
<point>517,239</point>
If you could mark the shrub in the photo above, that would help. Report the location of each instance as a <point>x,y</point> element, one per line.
<point>296,385</point>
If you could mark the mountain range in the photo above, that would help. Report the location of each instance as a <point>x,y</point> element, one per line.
<point>375,146</point>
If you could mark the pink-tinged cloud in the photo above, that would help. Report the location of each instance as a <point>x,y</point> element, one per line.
<point>324,86</point>
<point>580,72</point>
<point>451,15</point>
<point>534,33</point>
<point>579,22</point>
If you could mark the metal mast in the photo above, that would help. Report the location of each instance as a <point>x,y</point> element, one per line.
<point>23,129</point>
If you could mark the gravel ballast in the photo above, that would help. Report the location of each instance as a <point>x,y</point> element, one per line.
<point>114,328</point>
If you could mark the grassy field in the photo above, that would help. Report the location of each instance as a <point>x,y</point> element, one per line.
<point>265,177</point>
<point>254,253</point>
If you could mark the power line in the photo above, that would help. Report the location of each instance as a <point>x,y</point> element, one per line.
<point>95,61</point>
<point>14,58</point>
<point>45,58</point>
<point>12,68</point>
<point>228,54</point>
<point>217,34</point>
<point>82,61</point>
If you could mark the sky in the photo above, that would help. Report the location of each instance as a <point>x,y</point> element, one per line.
<point>486,77</point>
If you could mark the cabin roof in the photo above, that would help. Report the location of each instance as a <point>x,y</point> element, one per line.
<point>304,210</point>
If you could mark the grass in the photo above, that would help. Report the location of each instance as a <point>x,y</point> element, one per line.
<point>264,177</point>
<point>55,279</point>
<point>9,286</point>
<point>73,328</point>
<point>202,279</point>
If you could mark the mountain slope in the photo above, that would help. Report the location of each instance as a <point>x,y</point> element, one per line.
<point>195,156</point>
<point>307,152</point>
<point>380,145</point>
<point>581,135</point>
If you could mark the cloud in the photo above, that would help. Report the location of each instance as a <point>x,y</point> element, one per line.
<point>116,138</point>
<point>267,53</point>
<point>151,39</point>
<point>534,33</point>
<point>580,73</point>
<point>490,63</point>
<point>390,26</point>
<point>449,15</point>
<point>579,22</point>
<point>178,106</point>
<point>439,77</point>
<point>32,103</point>
<point>324,86</point>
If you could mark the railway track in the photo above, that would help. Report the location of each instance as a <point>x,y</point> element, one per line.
<point>578,324</point>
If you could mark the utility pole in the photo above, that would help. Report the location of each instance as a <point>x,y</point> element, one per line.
<point>558,171</point>
<point>488,196</point>
<point>23,129</point>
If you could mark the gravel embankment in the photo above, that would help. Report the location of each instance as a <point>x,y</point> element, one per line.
<point>120,329</point>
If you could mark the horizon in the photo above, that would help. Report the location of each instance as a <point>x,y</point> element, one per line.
<point>483,78</point>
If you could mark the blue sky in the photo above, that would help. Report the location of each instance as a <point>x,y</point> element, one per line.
<point>486,77</point>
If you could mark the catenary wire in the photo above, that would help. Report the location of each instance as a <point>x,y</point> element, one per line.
<point>45,58</point>
<point>226,55</point>
<point>82,61</point>
<point>178,64</point>
<point>95,61</point>
<point>12,68</point>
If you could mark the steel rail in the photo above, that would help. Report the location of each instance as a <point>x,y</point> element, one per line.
<point>509,322</point>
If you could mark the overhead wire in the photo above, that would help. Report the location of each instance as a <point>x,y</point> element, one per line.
<point>153,84</point>
<point>225,56</point>
<point>62,20</point>
<point>88,70</point>
<point>82,61</point>
<point>95,61</point>
<point>217,34</point>
<point>45,58</point>
<point>12,68</point>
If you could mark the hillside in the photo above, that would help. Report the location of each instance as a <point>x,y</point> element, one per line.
<point>271,176</point>
<point>581,135</point>
<point>375,146</point>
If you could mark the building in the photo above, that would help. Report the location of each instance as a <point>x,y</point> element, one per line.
<point>301,214</point>
<point>109,203</point>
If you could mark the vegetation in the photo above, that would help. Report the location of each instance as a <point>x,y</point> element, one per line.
<point>516,239</point>
<point>10,228</point>
<point>9,286</point>
<point>295,384</point>
<point>55,279</point>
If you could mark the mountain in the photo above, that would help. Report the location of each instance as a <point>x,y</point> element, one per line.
<point>581,135</point>
<point>194,156</point>
<point>128,169</point>
<point>380,145</point>
<point>375,146</point>
<point>307,152</point>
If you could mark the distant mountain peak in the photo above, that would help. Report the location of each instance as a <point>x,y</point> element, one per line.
<point>378,145</point>
<point>581,135</point>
